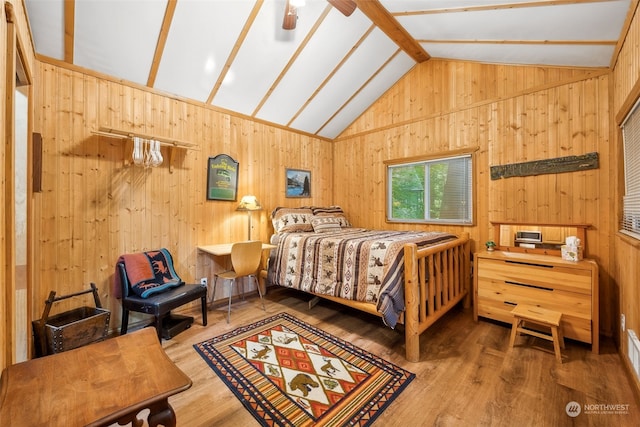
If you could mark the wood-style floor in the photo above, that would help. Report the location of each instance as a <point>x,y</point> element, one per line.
<point>466,376</point>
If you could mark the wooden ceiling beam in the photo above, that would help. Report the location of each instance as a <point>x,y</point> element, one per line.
<point>162,41</point>
<point>374,10</point>
<point>69,29</point>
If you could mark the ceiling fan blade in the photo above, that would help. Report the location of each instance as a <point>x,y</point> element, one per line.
<point>290,17</point>
<point>346,7</point>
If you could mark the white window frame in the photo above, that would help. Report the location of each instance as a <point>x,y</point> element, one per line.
<point>426,162</point>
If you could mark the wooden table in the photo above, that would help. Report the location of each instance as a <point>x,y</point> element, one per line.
<point>95,385</point>
<point>224,249</point>
<point>213,259</point>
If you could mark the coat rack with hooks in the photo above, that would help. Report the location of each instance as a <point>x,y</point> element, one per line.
<point>128,135</point>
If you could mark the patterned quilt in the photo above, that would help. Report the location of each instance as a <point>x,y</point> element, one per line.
<point>353,263</point>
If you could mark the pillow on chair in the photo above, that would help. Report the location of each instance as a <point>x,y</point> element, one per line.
<point>150,272</point>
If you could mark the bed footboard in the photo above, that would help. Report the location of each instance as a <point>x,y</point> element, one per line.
<point>436,279</point>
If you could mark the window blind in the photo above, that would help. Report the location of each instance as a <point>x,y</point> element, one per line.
<point>631,200</point>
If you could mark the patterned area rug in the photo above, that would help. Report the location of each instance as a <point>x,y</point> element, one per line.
<point>289,373</point>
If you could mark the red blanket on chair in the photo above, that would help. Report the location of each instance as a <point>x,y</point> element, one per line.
<point>148,273</point>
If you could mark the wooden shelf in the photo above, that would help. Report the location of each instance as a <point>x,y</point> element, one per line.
<point>128,135</point>
<point>580,232</point>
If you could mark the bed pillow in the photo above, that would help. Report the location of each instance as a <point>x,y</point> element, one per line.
<point>317,210</point>
<point>332,212</point>
<point>322,224</point>
<point>287,220</point>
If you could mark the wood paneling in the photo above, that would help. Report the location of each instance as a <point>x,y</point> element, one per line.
<point>509,114</point>
<point>5,307</point>
<point>94,207</point>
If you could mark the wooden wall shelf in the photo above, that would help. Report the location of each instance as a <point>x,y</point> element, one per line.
<point>128,135</point>
<point>579,230</point>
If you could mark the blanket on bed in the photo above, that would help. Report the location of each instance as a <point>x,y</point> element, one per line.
<point>353,263</point>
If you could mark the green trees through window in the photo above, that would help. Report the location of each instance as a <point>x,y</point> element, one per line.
<point>437,190</point>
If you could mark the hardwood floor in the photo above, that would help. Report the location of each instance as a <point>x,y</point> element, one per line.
<point>466,376</point>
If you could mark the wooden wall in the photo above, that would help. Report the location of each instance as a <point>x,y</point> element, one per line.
<point>94,208</point>
<point>5,291</point>
<point>626,251</point>
<point>508,114</point>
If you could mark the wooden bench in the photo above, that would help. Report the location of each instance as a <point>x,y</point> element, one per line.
<point>541,317</point>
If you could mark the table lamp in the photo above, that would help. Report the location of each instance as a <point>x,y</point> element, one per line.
<point>249,203</point>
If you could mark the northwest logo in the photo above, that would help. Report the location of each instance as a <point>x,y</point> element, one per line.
<point>573,409</point>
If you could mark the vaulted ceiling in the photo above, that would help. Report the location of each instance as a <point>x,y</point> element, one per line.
<point>321,75</point>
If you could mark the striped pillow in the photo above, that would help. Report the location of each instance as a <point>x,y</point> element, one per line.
<point>317,210</point>
<point>331,212</point>
<point>324,224</point>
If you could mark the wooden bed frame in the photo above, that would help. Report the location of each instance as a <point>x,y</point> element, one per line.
<point>448,267</point>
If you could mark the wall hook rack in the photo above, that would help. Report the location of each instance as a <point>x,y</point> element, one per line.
<point>128,135</point>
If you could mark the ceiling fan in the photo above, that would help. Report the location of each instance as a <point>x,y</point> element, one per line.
<point>291,11</point>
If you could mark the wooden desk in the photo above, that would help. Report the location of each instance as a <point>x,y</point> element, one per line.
<point>95,385</point>
<point>224,249</point>
<point>213,259</point>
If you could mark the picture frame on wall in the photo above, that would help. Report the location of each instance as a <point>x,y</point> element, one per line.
<point>222,178</point>
<point>297,183</point>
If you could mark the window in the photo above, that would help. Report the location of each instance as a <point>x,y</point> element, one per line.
<point>431,191</point>
<point>631,200</point>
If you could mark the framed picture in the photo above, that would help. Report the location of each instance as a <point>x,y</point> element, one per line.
<point>222,178</point>
<point>297,183</point>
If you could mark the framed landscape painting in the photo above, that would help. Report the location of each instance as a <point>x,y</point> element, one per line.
<point>298,183</point>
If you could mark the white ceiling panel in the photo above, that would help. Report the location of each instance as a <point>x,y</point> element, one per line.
<point>393,71</point>
<point>560,22</point>
<point>191,69</point>
<point>319,77</point>
<point>267,48</point>
<point>353,74</point>
<point>117,37</point>
<point>576,56</point>
<point>47,25</point>
<point>399,6</point>
<point>314,64</point>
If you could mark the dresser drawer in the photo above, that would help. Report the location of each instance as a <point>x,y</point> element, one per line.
<point>569,303</point>
<point>496,300</point>
<point>537,275</point>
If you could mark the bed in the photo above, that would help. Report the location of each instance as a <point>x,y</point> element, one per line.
<point>404,277</point>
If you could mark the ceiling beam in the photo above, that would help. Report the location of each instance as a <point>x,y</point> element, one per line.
<point>235,50</point>
<point>69,29</point>
<point>374,10</point>
<point>162,41</point>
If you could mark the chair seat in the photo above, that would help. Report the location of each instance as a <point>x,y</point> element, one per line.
<point>165,301</point>
<point>228,275</point>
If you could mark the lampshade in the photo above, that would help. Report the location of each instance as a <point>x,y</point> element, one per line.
<point>249,203</point>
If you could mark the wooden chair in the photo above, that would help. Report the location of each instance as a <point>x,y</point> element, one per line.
<point>159,305</point>
<point>245,260</point>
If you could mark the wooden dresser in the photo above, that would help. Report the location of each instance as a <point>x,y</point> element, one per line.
<point>504,279</point>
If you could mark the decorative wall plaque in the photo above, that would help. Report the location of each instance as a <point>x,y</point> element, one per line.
<point>541,167</point>
<point>222,178</point>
